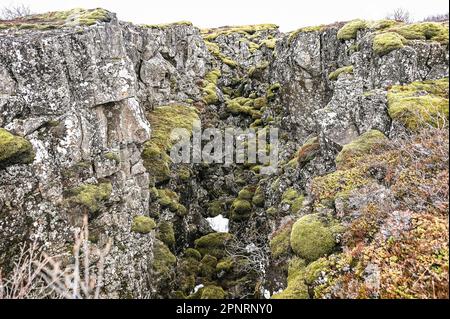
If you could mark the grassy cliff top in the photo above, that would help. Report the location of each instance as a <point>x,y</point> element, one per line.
<point>59,19</point>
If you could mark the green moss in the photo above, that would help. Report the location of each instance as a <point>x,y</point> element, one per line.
<point>113,157</point>
<point>213,244</point>
<point>169,199</point>
<point>225,265</point>
<point>292,198</point>
<point>163,260</point>
<point>240,105</point>
<point>296,289</point>
<point>269,43</point>
<point>293,35</point>
<point>241,210</point>
<point>247,193</point>
<point>257,69</point>
<point>210,87</point>
<point>212,292</point>
<point>433,31</point>
<point>383,24</point>
<point>315,269</point>
<point>192,253</point>
<point>142,224</point>
<point>361,146</point>
<point>216,207</point>
<point>208,266</point>
<point>350,29</point>
<point>419,103</point>
<point>272,91</point>
<point>213,76</point>
<point>212,34</point>
<point>14,150</point>
<point>90,196</point>
<point>311,238</point>
<point>387,42</point>
<point>167,25</point>
<point>258,198</point>
<point>184,173</point>
<point>163,120</point>
<point>259,103</point>
<point>166,233</point>
<point>339,183</point>
<point>272,211</point>
<point>59,19</point>
<point>333,76</point>
<point>256,123</point>
<point>280,243</point>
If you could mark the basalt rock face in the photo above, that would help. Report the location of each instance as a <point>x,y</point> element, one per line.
<point>85,95</point>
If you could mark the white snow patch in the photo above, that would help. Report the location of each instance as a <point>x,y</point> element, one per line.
<point>196,288</point>
<point>219,223</point>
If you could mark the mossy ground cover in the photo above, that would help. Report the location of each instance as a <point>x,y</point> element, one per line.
<point>418,104</point>
<point>364,145</point>
<point>58,19</point>
<point>212,34</point>
<point>90,196</point>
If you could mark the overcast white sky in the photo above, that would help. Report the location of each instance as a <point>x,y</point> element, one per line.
<point>288,14</point>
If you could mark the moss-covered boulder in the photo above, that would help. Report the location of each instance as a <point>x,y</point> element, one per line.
<point>241,209</point>
<point>350,29</point>
<point>387,42</point>
<point>14,150</point>
<point>143,224</point>
<point>216,207</point>
<point>258,197</point>
<point>213,244</point>
<point>163,120</point>
<point>311,238</point>
<point>363,145</point>
<point>418,104</point>
<point>90,196</point>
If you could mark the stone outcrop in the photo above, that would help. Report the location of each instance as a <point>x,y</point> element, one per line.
<point>77,94</point>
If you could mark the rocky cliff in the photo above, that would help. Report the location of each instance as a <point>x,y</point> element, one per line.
<point>357,208</point>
